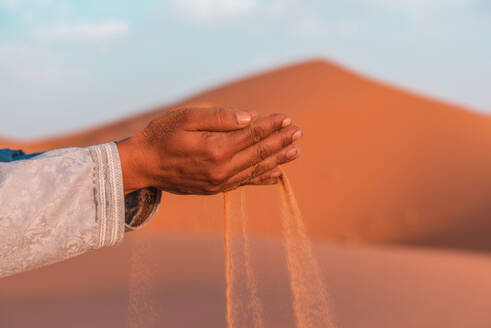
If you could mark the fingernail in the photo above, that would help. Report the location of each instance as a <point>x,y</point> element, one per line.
<point>243,117</point>
<point>276,174</point>
<point>287,121</point>
<point>292,153</point>
<point>297,135</point>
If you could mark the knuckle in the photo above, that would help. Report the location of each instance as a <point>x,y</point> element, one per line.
<point>257,170</point>
<point>217,177</point>
<point>286,139</point>
<point>262,152</point>
<point>216,154</point>
<point>217,150</point>
<point>256,133</point>
<point>221,116</point>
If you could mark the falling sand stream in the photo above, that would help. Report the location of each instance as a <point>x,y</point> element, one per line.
<point>243,305</point>
<point>309,295</point>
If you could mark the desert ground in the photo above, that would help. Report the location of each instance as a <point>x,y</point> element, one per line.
<point>394,188</point>
<point>367,286</point>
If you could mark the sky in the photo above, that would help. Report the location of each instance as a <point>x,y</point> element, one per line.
<point>66,65</point>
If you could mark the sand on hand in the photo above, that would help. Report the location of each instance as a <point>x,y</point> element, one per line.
<point>244,308</point>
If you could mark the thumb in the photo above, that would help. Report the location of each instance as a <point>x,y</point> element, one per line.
<point>218,119</point>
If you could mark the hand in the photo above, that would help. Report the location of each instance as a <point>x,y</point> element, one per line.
<point>208,150</point>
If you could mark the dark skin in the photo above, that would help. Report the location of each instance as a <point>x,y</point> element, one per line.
<point>205,151</point>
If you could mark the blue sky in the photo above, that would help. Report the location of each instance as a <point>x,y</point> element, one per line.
<point>70,64</point>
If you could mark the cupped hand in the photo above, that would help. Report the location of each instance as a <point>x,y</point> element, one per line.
<point>200,150</point>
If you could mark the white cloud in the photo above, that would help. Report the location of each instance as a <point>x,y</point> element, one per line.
<point>86,32</point>
<point>209,11</point>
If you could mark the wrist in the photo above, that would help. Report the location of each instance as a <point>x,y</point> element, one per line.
<point>132,165</point>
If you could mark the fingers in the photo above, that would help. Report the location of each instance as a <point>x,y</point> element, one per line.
<point>271,150</point>
<point>268,178</point>
<point>216,119</point>
<point>257,131</point>
<point>286,155</point>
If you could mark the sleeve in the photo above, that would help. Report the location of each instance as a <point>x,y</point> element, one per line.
<point>66,202</point>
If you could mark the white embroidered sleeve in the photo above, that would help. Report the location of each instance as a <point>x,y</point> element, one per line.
<point>64,203</point>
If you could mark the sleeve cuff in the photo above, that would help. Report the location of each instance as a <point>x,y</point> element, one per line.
<point>115,212</point>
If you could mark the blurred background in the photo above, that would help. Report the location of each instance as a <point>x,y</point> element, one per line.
<point>66,65</point>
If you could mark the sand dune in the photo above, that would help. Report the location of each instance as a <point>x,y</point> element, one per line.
<point>378,164</point>
<point>368,287</point>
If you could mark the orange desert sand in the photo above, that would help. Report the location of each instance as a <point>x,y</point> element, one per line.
<point>381,170</point>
